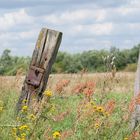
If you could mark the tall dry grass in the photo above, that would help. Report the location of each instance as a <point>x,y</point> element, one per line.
<point>93,113</point>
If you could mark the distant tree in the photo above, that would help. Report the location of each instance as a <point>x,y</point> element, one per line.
<point>92,61</point>
<point>9,65</point>
<point>134,53</point>
<point>6,58</point>
<point>5,61</point>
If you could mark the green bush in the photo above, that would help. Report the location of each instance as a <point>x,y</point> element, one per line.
<point>90,61</point>
<point>131,67</point>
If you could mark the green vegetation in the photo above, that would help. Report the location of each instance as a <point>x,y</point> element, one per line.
<point>68,114</point>
<point>10,65</point>
<point>91,61</point>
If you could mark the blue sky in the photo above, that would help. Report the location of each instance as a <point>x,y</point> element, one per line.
<point>86,24</point>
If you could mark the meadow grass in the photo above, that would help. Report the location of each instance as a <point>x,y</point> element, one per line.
<point>70,113</point>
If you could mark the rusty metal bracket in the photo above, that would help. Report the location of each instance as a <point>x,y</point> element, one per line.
<point>35,76</point>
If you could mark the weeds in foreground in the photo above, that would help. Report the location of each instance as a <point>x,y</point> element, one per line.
<point>92,111</point>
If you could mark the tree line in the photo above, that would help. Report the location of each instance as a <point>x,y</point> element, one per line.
<point>89,61</point>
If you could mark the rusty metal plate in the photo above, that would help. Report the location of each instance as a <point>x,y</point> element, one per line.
<point>35,75</point>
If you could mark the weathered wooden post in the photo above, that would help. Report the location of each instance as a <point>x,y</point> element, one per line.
<point>42,60</point>
<point>136,114</point>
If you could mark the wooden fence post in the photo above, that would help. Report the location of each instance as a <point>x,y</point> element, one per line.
<point>136,114</point>
<point>42,60</point>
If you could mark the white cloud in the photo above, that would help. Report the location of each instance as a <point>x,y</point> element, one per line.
<point>134,26</point>
<point>7,36</point>
<point>125,10</point>
<point>28,34</point>
<point>8,20</point>
<point>92,29</point>
<point>76,16</point>
<point>101,29</point>
<point>96,25</point>
<point>134,3</point>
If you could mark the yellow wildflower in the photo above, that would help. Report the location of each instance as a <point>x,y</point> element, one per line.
<point>96,125</point>
<point>1,109</point>
<point>24,127</point>
<point>95,107</point>
<point>18,138</point>
<point>106,114</point>
<point>100,109</point>
<point>14,131</point>
<point>93,103</point>
<point>24,101</point>
<point>56,135</point>
<point>126,138</point>
<point>53,108</point>
<point>32,117</point>
<point>48,93</point>
<point>23,135</point>
<point>24,108</point>
<point>18,119</point>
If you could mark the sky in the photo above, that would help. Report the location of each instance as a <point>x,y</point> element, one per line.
<point>86,24</point>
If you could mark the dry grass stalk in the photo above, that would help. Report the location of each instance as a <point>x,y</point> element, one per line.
<point>110,106</point>
<point>61,116</point>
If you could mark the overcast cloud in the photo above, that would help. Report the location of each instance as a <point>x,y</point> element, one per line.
<point>86,24</point>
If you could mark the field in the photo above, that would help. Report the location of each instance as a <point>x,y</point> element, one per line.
<point>75,107</point>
